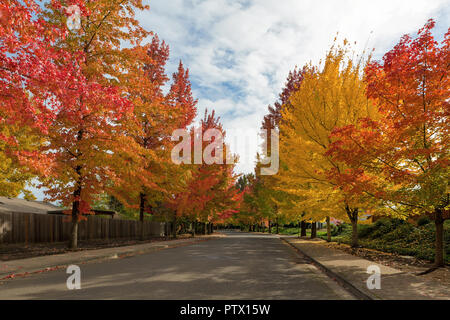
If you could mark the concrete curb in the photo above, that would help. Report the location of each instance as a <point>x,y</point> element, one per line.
<point>85,256</point>
<point>347,285</point>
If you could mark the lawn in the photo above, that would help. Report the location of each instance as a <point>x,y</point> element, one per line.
<point>286,230</point>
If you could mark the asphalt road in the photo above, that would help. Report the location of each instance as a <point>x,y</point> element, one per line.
<point>239,266</point>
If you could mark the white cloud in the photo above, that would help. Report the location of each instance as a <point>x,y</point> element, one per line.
<point>239,52</point>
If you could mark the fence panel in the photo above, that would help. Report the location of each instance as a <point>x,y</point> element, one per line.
<point>34,228</point>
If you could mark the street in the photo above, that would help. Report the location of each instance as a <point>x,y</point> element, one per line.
<point>239,266</point>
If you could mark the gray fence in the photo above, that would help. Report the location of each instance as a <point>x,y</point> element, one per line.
<point>31,228</point>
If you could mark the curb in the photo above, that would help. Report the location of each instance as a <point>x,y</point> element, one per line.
<point>360,295</point>
<point>107,256</point>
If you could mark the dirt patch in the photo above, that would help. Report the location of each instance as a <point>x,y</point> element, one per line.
<point>404,263</point>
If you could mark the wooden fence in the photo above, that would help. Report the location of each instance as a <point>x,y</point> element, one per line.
<point>32,228</point>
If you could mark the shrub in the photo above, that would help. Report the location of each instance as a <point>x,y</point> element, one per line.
<point>423,221</point>
<point>364,231</point>
<point>398,236</point>
<point>401,232</point>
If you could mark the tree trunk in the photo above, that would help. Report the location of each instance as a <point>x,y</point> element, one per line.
<point>313,230</point>
<point>354,234</point>
<point>353,216</point>
<point>174,226</point>
<point>141,213</point>
<point>303,226</point>
<point>299,228</point>
<point>167,227</point>
<point>193,228</point>
<point>270,227</point>
<point>277,226</point>
<point>204,228</point>
<point>73,241</point>
<point>439,254</point>
<point>328,229</point>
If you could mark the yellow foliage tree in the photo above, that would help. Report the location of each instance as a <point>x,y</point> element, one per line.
<point>329,96</point>
<point>14,175</point>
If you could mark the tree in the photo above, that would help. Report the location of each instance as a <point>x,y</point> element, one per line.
<point>331,96</point>
<point>249,211</point>
<point>144,166</point>
<point>273,118</point>
<point>402,158</point>
<point>180,96</point>
<point>269,198</point>
<point>149,178</point>
<point>84,134</point>
<point>210,194</point>
<point>27,64</point>
<point>28,73</point>
<point>14,175</point>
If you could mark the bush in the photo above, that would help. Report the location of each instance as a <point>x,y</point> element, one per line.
<point>335,230</point>
<point>365,230</point>
<point>397,236</point>
<point>384,226</point>
<point>401,232</point>
<point>423,221</point>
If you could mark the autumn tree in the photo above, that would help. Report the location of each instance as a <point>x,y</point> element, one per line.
<point>268,194</point>
<point>28,73</point>
<point>256,206</point>
<point>273,117</point>
<point>330,95</point>
<point>248,211</point>
<point>148,174</point>
<point>403,157</point>
<point>181,98</point>
<point>84,136</point>
<point>14,175</point>
<point>210,195</point>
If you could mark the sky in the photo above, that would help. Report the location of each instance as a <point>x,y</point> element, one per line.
<point>239,52</point>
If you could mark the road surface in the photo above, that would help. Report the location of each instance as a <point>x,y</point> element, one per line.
<point>239,266</point>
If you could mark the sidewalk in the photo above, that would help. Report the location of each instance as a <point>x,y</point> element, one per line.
<point>13,268</point>
<point>352,270</point>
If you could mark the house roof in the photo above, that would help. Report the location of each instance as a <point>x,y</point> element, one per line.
<point>26,206</point>
<point>30,206</point>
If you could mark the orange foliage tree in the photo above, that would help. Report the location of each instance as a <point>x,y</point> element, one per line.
<point>403,157</point>
<point>84,136</point>
<point>210,195</point>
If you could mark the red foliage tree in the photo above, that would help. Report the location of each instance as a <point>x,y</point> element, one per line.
<point>272,119</point>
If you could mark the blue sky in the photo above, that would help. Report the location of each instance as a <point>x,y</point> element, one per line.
<point>239,52</point>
